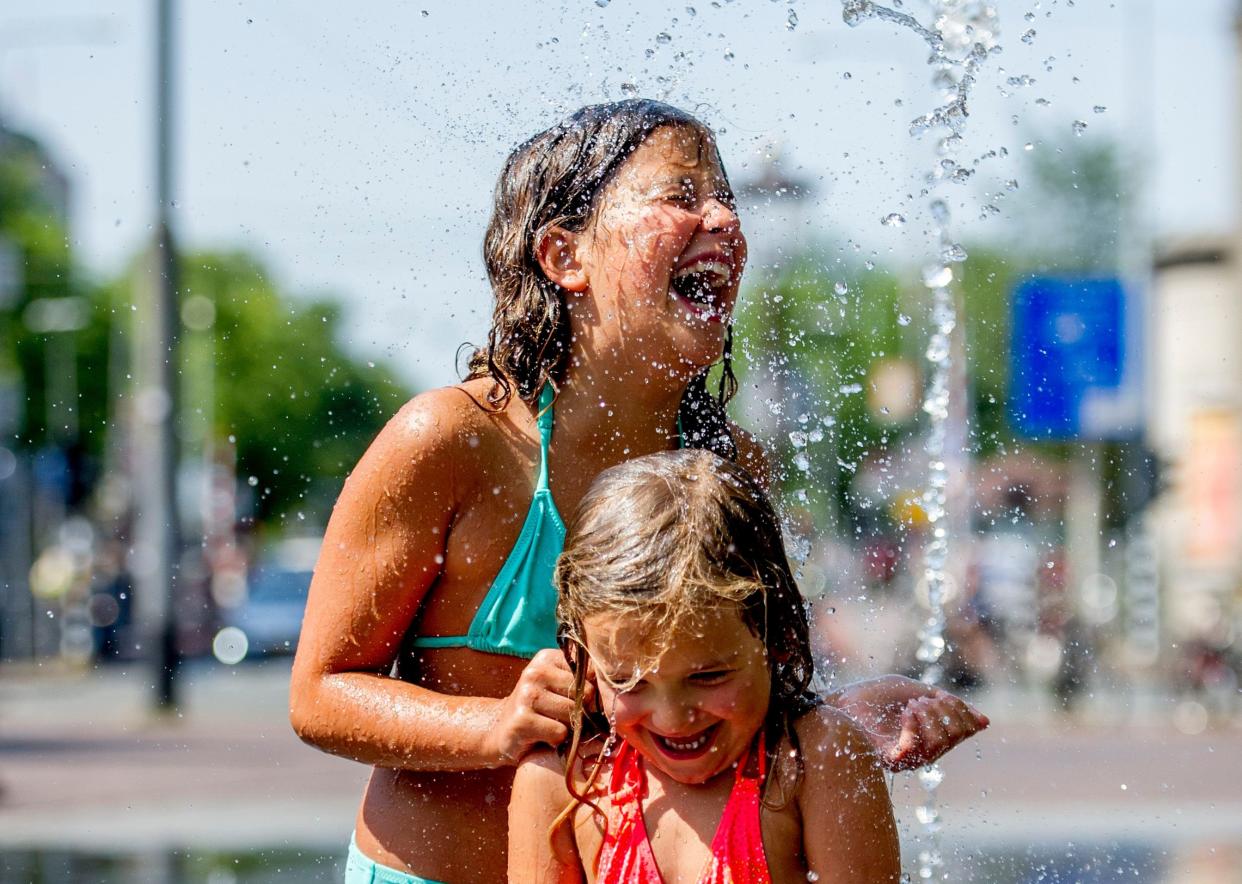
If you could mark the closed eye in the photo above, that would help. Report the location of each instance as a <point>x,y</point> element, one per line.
<point>621,684</point>
<point>711,676</point>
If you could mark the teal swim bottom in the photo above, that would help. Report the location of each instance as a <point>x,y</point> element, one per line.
<point>361,869</point>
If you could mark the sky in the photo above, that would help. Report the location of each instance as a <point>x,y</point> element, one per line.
<point>354,147</point>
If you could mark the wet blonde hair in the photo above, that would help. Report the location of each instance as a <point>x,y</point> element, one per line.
<point>659,539</point>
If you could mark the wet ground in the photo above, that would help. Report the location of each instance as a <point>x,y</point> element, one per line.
<point>97,790</point>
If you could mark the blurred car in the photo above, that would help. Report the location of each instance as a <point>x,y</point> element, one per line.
<point>270,618</point>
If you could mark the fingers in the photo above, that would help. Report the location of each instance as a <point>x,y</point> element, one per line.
<point>548,670</point>
<point>930,726</point>
<point>901,752</point>
<point>552,705</point>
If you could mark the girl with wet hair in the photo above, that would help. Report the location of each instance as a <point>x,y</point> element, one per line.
<point>677,601</point>
<point>428,647</point>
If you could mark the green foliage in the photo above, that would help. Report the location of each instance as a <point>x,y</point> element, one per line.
<point>810,350</point>
<point>300,409</point>
<point>813,352</point>
<point>31,223</point>
<point>1075,199</point>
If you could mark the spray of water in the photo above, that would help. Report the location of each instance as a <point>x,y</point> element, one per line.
<point>962,35</point>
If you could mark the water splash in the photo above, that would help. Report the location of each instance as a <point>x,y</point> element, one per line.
<point>963,34</point>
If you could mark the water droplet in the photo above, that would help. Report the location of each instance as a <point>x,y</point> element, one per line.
<point>691,11</point>
<point>1012,184</point>
<point>840,288</point>
<point>936,276</point>
<point>903,319</point>
<point>728,55</point>
<point>949,145</point>
<point>602,4</point>
<point>791,21</point>
<point>1080,126</point>
<point>893,220</point>
<point>847,76</point>
<point>953,252</point>
<point>252,481</point>
<point>1028,36</point>
<point>629,89</point>
<point>663,38</point>
<point>1099,109</point>
<point>940,212</point>
<point>857,10</point>
<point>797,439</point>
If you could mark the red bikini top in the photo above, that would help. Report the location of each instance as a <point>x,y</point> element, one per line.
<point>737,855</point>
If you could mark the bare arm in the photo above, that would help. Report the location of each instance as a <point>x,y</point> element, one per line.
<point>381,553</point>
<point>539,796</point>
<point>849,835</point>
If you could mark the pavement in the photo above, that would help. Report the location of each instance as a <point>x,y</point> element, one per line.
<point>84,765</point>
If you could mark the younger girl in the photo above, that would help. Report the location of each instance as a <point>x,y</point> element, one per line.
<point>709,759</point>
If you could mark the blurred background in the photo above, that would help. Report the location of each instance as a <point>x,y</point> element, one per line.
<point>235,238</point>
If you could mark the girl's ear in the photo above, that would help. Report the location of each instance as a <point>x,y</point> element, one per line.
<point>558,257</point>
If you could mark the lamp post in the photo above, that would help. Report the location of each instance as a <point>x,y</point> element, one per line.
<point>156,528</point>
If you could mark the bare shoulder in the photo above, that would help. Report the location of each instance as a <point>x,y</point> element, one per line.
<point>752,455</point>
<point>540,848</point>
<point>849,835</point>
<point>431,435</point>
<point>834,746</point>
<point>543,771</point>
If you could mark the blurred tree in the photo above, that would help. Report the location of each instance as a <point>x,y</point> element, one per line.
<point>1076,197</point>
<point>298,409</point>
<point>35,265</point>
<point>807,341</point>
<point>809,351</point>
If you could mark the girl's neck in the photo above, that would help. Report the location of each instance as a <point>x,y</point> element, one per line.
<point>618,411</point>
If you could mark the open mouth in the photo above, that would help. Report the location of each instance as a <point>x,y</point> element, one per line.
<point>686,748</point>
<point>702,285</point>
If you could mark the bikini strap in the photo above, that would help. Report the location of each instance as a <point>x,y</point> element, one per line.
<point>544,419</point>
<point>626,780</point>
<point>761,762</point>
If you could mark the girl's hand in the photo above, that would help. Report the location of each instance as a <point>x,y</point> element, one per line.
<point>538,710</point>
<point>910,724</point>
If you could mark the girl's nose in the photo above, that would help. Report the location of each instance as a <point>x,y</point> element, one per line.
<point>677,719</point>
<point>718,217</point>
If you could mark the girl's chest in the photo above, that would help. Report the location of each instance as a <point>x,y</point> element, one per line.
<point>685,838</point>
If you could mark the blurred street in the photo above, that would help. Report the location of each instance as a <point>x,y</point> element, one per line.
<point>84,767</point>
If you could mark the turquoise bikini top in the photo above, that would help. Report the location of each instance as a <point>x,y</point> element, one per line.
<point>518,614</point>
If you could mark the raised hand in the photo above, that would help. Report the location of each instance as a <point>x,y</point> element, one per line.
<point>910,724</point>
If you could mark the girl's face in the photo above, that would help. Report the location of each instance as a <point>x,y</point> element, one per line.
<point>663,254</point>
<point>693,712</point>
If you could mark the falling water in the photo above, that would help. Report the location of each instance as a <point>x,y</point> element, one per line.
<point>962,36</point>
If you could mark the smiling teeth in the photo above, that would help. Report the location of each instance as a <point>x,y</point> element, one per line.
<point>689,746</point>
<point>720,272</point>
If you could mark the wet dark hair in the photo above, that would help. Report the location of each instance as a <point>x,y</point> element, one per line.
<point>553,180</point>
<point>661,538</point>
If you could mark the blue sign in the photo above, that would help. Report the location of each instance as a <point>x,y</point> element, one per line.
<point>1071,375</point>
